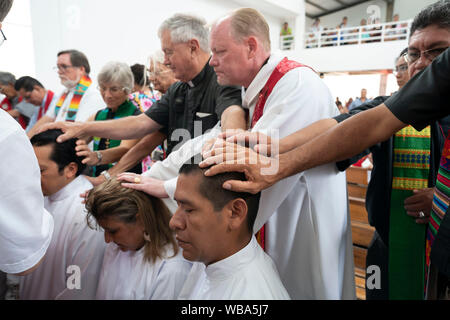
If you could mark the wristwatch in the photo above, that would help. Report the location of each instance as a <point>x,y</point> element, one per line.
<point>106,175</point>
<point>99,156</point>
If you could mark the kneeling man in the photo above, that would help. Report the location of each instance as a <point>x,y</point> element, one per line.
<point>214,228</point>
<point>71,267</point>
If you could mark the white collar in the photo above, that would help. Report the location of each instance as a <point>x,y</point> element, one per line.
<point>231,265</point>
<point>258,83</point>
<point>69,189</point>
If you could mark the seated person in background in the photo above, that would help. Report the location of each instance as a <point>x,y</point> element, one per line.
<point>115,82</point>
<point>34,92</point>
<point>72,265</point>
<point>214,228</point>
<point>13,103</point>
<point>142,259</point>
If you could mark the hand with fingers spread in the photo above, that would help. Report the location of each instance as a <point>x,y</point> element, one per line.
<point>149,185</point>
<point>69,129</point>
<point>84,195</point>
<point>261,143</point>
<point>83,150</point>
<point>258,169</point>
<point>222,136</point>
<point>96,180</point>
<point>419,205</point>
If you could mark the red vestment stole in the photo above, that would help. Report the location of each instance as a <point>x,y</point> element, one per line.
<point>280,70</point>
<point>7,106</point>
<point>49,99</point>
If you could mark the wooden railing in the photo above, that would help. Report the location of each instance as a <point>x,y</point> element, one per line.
<point>382,32</point>
<point>362,232</point>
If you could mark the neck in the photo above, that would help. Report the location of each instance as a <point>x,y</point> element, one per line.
<point>259,61</point>
<point>198,64</point>
<point>232,247</point>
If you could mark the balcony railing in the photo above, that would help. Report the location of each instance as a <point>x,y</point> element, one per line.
<point>382,32</point>
<point>287,42</point>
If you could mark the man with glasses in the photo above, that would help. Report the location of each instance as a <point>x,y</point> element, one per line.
<point>80,100</point>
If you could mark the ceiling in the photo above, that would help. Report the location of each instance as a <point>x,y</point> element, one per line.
<point>319,8</point>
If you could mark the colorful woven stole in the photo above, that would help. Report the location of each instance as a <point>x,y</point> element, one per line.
<point>48,100</point>
<point>80,89</point>
<point>441,199</point>
<point>124,110</point>
<point>280,70</point>
<point>411,168</point>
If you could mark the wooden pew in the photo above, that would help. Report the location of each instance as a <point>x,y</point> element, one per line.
<point>362,232</point>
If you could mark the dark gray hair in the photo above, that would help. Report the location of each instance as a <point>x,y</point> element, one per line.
<point>7,78</point>
<point>117,72</point>
<point>185,27</point>
<point>78,59</point>
<point>5,6</point>
<point>437,13</point>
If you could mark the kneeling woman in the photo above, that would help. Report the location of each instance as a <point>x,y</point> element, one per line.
<point>142,259</point>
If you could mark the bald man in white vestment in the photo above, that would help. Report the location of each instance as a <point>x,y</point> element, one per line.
<point>71,268</point>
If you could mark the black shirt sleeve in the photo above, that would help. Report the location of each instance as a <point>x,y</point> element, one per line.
<point>227,96</point>
<point>159,111</point>
<point>425,98</point>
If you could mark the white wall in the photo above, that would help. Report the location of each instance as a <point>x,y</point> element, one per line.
<point>113,29</point>
<point>407,9</point>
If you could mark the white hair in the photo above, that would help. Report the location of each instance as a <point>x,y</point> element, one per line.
<point>185,27</point>
<point>157,57</point>
<point>117,72</point>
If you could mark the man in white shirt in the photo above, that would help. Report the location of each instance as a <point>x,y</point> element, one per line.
<point>80,100</point>
<point>71,267</point>
<point>308,232</point>
<point>214,228</point>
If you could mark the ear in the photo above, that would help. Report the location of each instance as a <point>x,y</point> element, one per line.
<point>70,171</point>
<point>237,214</point>
<point>252,44</point>
<point>194,45</point>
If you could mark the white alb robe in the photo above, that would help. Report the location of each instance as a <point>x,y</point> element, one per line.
<point>25,226</point>
<point>249,274</point>
<point>126,276</point>
<point>74,244</point>
<point>308,234</point>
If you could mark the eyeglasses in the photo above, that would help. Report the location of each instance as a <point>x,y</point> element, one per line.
<point>413,55</point>
<point>157,73</point>
<point>62,67</point>
<point>2,37</point>
<point>112,90</point>
<point>401,69</point>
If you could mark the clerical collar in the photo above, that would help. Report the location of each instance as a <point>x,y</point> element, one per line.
<point>199,77</point>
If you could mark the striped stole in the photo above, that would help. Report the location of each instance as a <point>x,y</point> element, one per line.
<point>80,89</point>
<point>411,167</point>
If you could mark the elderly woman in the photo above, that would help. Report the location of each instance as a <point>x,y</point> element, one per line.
<point>115,82</point>
<point>142,260</point>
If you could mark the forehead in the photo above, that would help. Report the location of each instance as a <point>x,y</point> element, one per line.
<point>43,152</point>
<point>111,223</point>
<point>221,32</point>
<point>428,37</point>
<point>187,190</point>
<point>400,61</point>
<point>64,58</point>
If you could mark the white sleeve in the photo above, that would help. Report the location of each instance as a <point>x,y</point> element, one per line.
<point>297,100</point>
<point>25,226</point>
<point>171,279</point>
<point>90,103</point>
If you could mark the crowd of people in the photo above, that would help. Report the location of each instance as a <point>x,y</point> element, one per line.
<point>368,31</point>
<point>245,195</point>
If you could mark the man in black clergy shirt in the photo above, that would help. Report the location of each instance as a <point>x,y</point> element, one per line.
<point>196,100</point>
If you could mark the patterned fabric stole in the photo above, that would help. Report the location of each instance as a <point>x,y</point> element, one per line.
<point>280,70</point>
<point>441,199</point>
<point>80,89</point>
<point>411,167</point>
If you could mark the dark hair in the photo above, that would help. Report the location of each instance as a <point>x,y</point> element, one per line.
<point>5,6</point>
<point>111,199</point>
<point>437,13</point>
<point>211,188</point>
<point>63,153</point>
<point>27,83</point>
<point>78,59</point>
<point>140,78</point>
